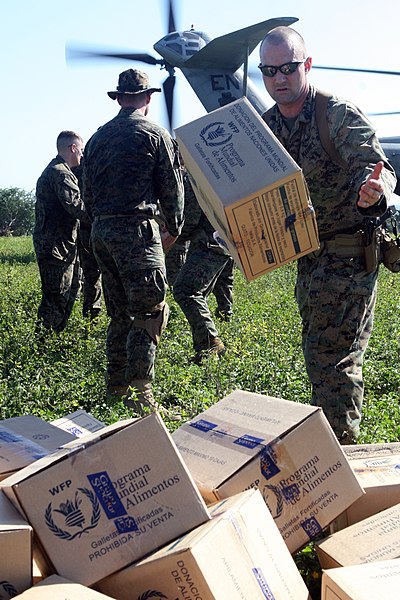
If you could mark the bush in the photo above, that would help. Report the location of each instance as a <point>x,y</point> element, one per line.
<point>17,212</point>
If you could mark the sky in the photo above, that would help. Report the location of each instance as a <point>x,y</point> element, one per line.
<point>43,94</point>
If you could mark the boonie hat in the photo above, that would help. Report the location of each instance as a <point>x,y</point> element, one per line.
<point>132,81</point>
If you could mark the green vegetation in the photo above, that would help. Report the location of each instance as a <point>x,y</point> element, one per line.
<point>17,211</point>
<point>264,355</point>
<point>263,340</point>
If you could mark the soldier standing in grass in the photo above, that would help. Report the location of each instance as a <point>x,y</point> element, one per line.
<point>205,260</point>
<point>336,287</point>
<point>131,165</point>
<point>58,209</point>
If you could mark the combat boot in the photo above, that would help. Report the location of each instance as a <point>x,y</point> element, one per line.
<point>117,392</point>
<point>141,400</point>
<point>215,348</point>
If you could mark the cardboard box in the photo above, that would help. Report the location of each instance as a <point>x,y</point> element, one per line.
<point>286,449</point>
<point>79,423</point>
<point>377,468</point>
<point>59,588</point>
<point>250,188</point>
<point>26,439</point>
<point>239,554</point>
<point>362,582</point>
<point>371,540</point>
<point>15,551</point>
<point>108,499</point>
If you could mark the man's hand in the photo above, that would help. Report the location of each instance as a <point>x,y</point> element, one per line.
<point>167,240</point>
<point>372,189</point>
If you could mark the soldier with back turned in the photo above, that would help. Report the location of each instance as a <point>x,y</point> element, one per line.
<point>131,165</point>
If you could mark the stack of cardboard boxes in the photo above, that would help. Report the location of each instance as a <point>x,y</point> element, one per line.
<point>118,511</point>
<point>214,510</point>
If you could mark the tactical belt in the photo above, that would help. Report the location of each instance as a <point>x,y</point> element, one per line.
<point>345,245</point>
<point>104,217</point>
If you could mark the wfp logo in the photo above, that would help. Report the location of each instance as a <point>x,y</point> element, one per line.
<point>215,134</point>
<point>74,520</point>
<point>8,589</point>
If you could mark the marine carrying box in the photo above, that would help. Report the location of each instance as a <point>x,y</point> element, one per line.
<point>371,540</point>
<point>239,555</point>
<point>377,468</point>
<point>107,499</point>
<point>286,449</point>
<point>249,187</point>
<point>379,580</point>
<point>26,439</point>
<point>15,551</point>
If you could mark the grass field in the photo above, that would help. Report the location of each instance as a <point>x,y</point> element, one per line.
<point>263,341</point>
<point>264,355</point>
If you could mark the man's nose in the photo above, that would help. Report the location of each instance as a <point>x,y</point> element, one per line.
<point>280,77</point>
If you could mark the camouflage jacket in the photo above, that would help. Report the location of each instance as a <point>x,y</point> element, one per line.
<point>197,228</point>
<point>333,188</point>
<point>58,208</point>
<point>130,163</point>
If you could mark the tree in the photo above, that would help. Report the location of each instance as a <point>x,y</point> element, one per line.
<point>17,212</point>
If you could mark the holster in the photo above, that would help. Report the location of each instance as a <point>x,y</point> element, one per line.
<point>372,251</point>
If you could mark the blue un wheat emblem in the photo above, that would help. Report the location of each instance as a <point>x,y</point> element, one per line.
<point>273,499</point>
<point>9,589</point>
<point>215,134</point>
<point>151,594</point>
<point>74,517</point>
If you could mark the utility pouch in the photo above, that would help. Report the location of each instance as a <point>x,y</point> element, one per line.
<point>390,250</point>
<point>389,239</point>
<point>156,324</point>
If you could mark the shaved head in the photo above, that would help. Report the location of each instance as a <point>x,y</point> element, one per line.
<point>285,35</point>
<point>284,47</point>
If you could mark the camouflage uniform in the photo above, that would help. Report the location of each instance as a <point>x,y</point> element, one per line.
<point>130,164</point>
<point>57,210</point>
<point>223,291</point>
<point>223,287</point>
<point>335,294</point>
<point>204,262</point>
<point>91,276</point>
<point>175,259</point>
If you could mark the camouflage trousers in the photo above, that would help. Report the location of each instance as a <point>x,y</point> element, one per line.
<point>195,282</point>
<point>60,286</point>
<point>175,259</point>
<point>223,290</point>
<point>336,299</point>
<point>91,284</point>
<point>130,291</point>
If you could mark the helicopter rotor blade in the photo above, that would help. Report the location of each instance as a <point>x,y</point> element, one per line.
<point>168,87</point>
<point>171,17</point>
<point>383,114</point>
<point>354,70</point>
<point>74,53</point>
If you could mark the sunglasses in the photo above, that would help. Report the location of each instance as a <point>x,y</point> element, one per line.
<point>286,69</point>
